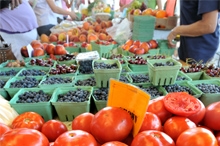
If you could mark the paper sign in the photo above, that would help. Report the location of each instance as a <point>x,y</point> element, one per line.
<point>30,50</point>
<point>130,98</point>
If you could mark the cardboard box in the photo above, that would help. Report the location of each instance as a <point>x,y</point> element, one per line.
<point>166,23</point>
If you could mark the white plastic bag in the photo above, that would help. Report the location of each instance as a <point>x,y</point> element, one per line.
<point>120,32</point>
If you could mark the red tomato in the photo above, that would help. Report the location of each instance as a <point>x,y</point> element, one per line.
<point>114,143</point>
<point>181,104</point>
<point>82,122</point>
<point>3,129</point>
<point>53,129</point>
<point>111,124</point>
<point>152,137</point>
<point>197,117</point>
<point>151,122</point>
<point>75,137</point>
<point>196,137</point>
<point>212,118</point>
<point>218,137</point>
<point>157,107</point>
<point>30,120</point>
<point>174,126</point>
<point>23,137</point>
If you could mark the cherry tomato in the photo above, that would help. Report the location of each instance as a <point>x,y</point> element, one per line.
<point>151,122</point>
<point>181,104</point>
<point>174,126</point>
<point>23,137</point>
<point>30,120</point>
<point>3,129</point>
<point>196,137</point>
<point>212,118</point>
<point>152,137</point>
<point>75,138</point>
<point>53,129</point>
<point>114,143</point>
<point>82,122</point>
<point>111,124</point>
<point>197,117</point>
<point>157,107</point>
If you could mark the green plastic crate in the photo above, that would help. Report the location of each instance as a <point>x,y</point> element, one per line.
<point>13,91</point>
<point>67,111</point>
<point>102,76</point>
<point>83,77</point>
<point>196,92</point>
<point>207,98</point>
<point>163,75</point>
<point>55,85</point>
<point>73,49</point>
<point>165,49</point>
<point>103,50</point>
<point>7,69</point>
<point>100,104</point>
<point>184,76</point>
<point>45,109</point>
<point>43,69</point>
<point>3,92</point>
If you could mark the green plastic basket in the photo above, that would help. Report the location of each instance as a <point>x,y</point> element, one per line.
<point>67,111</point>
<point>102,76</point>
<point>13,91</point>
<point>3,92</point>
<point>163,75</point>
<point>195,91</point>
<point>207,98</point>
<point>42,69</point>
<point>42,85</point>
<point>165,49</point>
<point>182,77</point>
<point>100,104</point>
<point>7,70</point>
<point>73,49</point>
<point>103,50</point>
<point>45,109</point>
<point>83,78</point>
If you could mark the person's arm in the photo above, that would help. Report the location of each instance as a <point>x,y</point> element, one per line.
<point>59,10</point>
<point>159,5</point>
<point>205,26</point>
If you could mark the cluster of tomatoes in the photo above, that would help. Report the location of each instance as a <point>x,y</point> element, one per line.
<point>177,119</point>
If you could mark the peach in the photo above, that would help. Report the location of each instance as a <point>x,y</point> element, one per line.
<point>109,24</point>
<point>84,32</point>
<point>92,37</point>
<point>36,44</point>
<point>59,50</point>
<point>82,38</point>
<point>97,28</point>
<point>50,49</point>
<point>45,45</point>
<point>102,36</point>
<point>53,38</point>
<point>76,31</point>
<point>103,24</point>
<point>148,11</point>
<point>74,38</point>
<point>44,38</point>
<point>38,52</point>
<point>62,37</point>
<point>86,25</point>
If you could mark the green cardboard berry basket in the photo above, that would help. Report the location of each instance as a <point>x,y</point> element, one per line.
<point>42,85</point>
<point>205,76</point>
<point>195,91</point>
<point>73,49</point>
<point>182,77</point>
<point>102,76</point>
<point>140,75</point>
<point>127,76</point>
<point>100,104</point>
<point>103,50</point>
<point>125,69</point>
<point>165,49</point>
<point>195,75</point>
<point>45,109</point>
<point>5,71</point>
<point>44,70</point>
<point>3,92</point>
<point>163,75</point>
<point>138,67</point>
<point>27,64</point>
<point>207,98</point>
<point>13,91</point>
<point>67,111</point>
<point>83,78</point>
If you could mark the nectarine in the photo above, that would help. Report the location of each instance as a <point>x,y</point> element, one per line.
<point>82,38</point>
<point>50,49</point>
<point>44,38</point>
<point>38,52</point>
<point>60,50</point>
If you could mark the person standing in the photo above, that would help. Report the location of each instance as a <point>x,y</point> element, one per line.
<point>198,30</point>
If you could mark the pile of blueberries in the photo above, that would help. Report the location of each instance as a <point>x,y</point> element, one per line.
<point>32,72</point>
<point>57,80</point>
<point>86,82</point>
<point>2,83</point>
<point>140,78</point>
<point>26,82</point>
<point>85,67</point>
<point>167,63</point>
<point>103,65</point>
<point>101,94</point>
<point>11,72</point>
<point>33,97</point>
<point>78,95</point>
<point>153,91</point>
<point>178,88</point>
<point>208,88</point>
<point>181,78</point>
<point>123,78</point>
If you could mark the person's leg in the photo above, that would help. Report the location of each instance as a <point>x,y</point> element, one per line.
<point>44,29</point>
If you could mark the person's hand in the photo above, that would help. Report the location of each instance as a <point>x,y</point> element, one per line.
<point>15,3</point>
<point>73,16</point>
<point>172,35</point>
